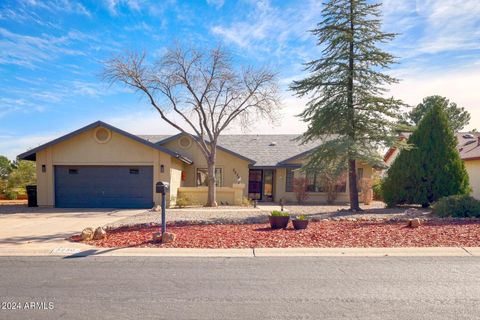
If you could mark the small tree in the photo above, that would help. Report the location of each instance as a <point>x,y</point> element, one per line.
<point>23,175</point>
<point>6,168</point>
<point>204,90</point>
<point>432,169</point>
<point>300,189</point>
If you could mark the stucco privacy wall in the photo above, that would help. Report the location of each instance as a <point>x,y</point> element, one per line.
<point>175,180</point>
<point>83,149</point>
<point>313,197</point>
<point>199,195</point>
<point>473,169</point>
<point>229,164</point>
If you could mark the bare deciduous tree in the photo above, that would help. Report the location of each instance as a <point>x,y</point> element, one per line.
<point>203,89</point>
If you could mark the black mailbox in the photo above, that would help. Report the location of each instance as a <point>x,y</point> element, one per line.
<point>162,187</point>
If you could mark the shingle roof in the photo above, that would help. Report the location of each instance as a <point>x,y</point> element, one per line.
<point>468,144</point>
<point>265,150</point>
<point>154,138</point>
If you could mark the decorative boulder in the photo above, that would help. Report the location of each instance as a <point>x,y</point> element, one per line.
<point>414,223</point>
<point>87,234</point>
<point>99,234</point>
<point>168,237</point>
<point>157,237</point>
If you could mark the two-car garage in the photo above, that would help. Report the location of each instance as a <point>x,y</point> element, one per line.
<point>103,186</point>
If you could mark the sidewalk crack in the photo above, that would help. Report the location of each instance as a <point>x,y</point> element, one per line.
<point>467,251</point>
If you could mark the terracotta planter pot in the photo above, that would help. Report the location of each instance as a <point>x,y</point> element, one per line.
<point>300,224</point>
<point>277,222</point>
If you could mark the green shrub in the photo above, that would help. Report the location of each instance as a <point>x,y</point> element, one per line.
<point>183,201</point>
<point>301,217</point>
<point>276,213</point>
<point>377,191</point>
<point>11,194</point>
<point>459,206</point>
<point>246,202</point>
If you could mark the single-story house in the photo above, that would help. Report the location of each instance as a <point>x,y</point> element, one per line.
<point>469,148</point>
<point>100,165</point>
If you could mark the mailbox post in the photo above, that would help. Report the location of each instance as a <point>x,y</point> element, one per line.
<point>163,187</point>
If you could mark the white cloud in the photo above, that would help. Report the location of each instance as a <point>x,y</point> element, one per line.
<point>268,28</point>
<point>114,5</point>
<point>59,6</point>
<point>18,105</point>
<point>28,51</point>
<point>216,3</point>
<point>460,86</point>
<point>12,146</point>
<point>142,26</point>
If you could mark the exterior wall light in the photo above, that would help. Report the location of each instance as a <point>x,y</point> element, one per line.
<point>162,168</point>
<point>44,168</point>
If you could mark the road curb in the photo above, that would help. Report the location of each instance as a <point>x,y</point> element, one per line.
<point>364,252</point>
<point>86,251</point>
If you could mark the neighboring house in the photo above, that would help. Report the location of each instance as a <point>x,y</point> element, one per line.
<point>102,166</point>
<point>469,148</point>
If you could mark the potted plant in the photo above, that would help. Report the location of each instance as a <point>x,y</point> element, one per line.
<point>300,222</point>
<point>278,219</point>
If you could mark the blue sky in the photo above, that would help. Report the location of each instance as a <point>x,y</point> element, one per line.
<point>51,55</point>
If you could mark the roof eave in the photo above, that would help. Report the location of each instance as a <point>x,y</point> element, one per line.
<point>172,138</point>
<point>31,154</point>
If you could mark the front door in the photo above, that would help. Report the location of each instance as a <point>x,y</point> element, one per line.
<point>255,178</point>
<point>267,185</point>
<point>260,184</point>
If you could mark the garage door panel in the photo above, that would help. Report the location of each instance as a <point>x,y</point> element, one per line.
<point>103,186</point>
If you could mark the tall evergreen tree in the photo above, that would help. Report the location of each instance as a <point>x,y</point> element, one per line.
<point>432,169</point>
<point>346,87</point>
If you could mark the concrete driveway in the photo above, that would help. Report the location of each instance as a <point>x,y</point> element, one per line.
<point>22,227</point>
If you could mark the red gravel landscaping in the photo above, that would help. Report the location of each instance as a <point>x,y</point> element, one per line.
<point>318,234</point>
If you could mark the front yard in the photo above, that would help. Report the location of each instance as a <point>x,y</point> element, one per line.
<point>433,233</point>
<point>330,226</point>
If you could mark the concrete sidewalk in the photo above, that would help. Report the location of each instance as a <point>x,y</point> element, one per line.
<point>69,249</point>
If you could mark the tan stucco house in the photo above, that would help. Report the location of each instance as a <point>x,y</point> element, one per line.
<point>102,166</point>
<point>469,149</point>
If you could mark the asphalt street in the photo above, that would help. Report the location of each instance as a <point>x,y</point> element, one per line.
<point>240,288</point>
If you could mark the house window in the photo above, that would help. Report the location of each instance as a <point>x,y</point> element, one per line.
<point>289,181</point>
<point>202,177</point>
<point>315,183</point>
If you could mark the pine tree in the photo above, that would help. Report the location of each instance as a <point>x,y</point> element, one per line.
<point>346,88</point>
<point>432,169</point>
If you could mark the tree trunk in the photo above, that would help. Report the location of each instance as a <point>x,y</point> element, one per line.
<point>352,168</point>
<point>212,188</point>
<point>352,185</point>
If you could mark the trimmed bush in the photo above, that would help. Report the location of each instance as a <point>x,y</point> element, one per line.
<point>183,201</point>
<point>431,169</point>
<point>458,206</point>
